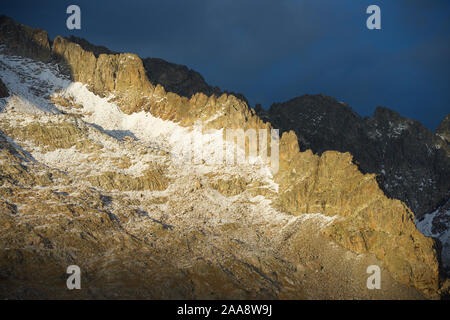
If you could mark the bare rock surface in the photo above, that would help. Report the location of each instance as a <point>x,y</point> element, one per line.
<point>411,162</point>
<point>3,90</point>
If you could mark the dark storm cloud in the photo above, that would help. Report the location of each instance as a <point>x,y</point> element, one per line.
<point>274,50</point>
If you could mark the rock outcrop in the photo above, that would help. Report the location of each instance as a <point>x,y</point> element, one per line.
<point>412,164</point>
<point>370,222</point>
<point>120,74</point>
<point>87,46</point>
<point>444,129</point>
<point>177,78</point>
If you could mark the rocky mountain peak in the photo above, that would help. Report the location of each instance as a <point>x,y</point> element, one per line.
<point>173,77</point>
<point>177,78</point>
<point>23,40</point>
<point>382,144</point>
<point>384,113</point>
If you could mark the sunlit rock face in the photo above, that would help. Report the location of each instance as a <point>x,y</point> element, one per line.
<point>91,175</point>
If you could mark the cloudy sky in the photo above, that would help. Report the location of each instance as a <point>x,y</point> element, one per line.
<point>275,50</point>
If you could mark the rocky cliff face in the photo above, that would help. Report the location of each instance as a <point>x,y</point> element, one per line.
<point>411,162</point>
<point>177,78</point>
<point>149,226</point>
<point>23,40</point>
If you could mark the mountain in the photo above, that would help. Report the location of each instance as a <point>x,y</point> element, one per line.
<point>94,173</point>
<point>411,162</point>
<point>173,77</point>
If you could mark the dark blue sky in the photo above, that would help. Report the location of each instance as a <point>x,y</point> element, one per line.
<point>274,50</point>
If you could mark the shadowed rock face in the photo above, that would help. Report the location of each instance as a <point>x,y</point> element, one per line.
<point>122,74</point>
<point>411,162</point>
<point>118,245</point>
<point>3,90</point>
